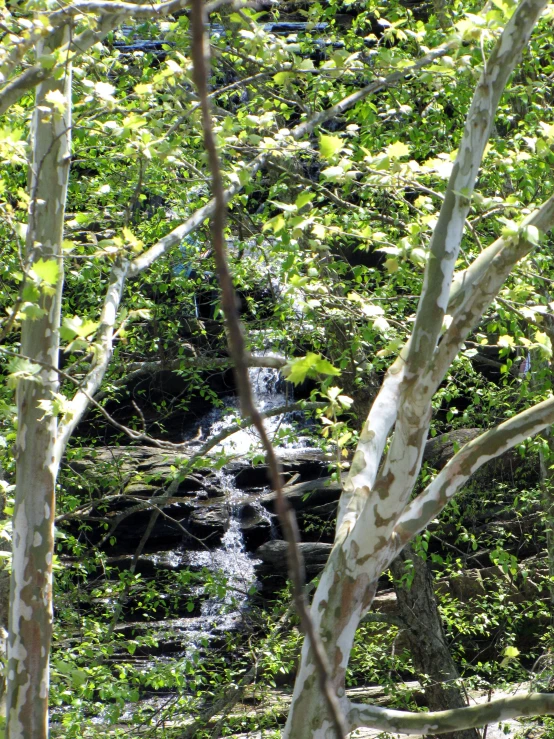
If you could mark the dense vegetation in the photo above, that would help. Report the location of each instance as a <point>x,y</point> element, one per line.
<point>328,235</point>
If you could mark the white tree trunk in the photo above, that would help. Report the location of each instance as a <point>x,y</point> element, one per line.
<point>376,519</point>
<point>37,460</point>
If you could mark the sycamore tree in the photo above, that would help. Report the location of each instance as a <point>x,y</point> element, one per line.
<point>47,50</point>
<point>75,95</point>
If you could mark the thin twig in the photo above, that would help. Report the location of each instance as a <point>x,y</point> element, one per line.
<point>169,445</point>
<point>237,348</point>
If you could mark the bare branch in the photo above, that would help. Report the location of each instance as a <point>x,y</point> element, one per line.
<point>441,722</point>
<point>144,260</point>
<point>238,353</point>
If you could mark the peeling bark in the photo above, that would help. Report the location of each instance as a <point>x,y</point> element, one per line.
<point>37,460</point>
<point>376,518</point>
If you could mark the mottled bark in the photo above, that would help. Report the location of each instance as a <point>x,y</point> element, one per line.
<point>30,621</point>
<point>5,546</point>
<point>417,607</point>
<point>547,490</point>
<point>376,518</point>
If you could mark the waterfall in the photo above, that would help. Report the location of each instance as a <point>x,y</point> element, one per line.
<point>230,562</point>
<point>269,391</point>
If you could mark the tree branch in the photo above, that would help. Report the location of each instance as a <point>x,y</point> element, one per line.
<point>423,509</point>
<point>112,15</point>
<point>447,235</point>
<point>441,722</point>
<point>103,353</point>
<point>395,481</point>
<point>144,260</point>
<point>238,353</point>
<point>475,288</point>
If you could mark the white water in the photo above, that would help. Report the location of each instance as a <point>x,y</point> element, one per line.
<point>268,394</point>
<point>230,563</point>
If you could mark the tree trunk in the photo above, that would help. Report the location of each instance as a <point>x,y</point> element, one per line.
<point>37,453</point>
<point>417,607</point>
<point>4,601</point>
<point>546,457</point>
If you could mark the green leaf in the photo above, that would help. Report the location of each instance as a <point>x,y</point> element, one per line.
<point>510,653</point>
<point>397,150</point>
<point>77,326</point>
<point>47,61</point>
<point>547,130</point>
<point>282,77</point>
<point>391,348</point>
<point>57,100</point>
<point>345,400</point>
<point>31,311</point>
<point>104,90</point>
<point>22,369</point>
<point>333,173</point>
<point>78,678</point>
<point>330,145</point>
<point>531,234</point>
<point>303,199</point>
<point>47,271</point>
<point>544,344</point>
<point>275,224</point>
<point>311,365</point>
<point>287,207</point>
<point>143,89</point>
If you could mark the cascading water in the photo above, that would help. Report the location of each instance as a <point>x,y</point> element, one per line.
<point>269,393</point>
<point>230,563</point>
<point>226,574</point>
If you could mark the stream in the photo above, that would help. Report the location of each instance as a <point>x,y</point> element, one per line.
<point>228,514</point>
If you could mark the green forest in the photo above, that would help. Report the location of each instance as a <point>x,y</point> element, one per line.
<point>276,369</point>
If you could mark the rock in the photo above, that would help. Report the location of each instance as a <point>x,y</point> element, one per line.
<point>141,489</point>
<point>273,556</point>
<point>171,560</point>
<point>306,464</point>
<point>441,448</point>
<point>212,491</point>
<point>306,495</point>
<point>385,602</point>
<point>212,518</point>
<point>467,586</point>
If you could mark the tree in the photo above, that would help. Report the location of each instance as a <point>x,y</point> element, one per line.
<point>376,517</point>
<point>418,609</point>
<point>30,624</point>
<point>47,418</point>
